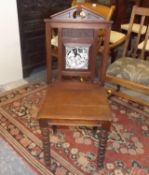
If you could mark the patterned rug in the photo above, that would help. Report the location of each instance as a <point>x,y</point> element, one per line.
<point>74,149</point>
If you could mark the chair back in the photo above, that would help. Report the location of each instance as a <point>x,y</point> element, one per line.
<point>139,20</point>
<point>78,44</point>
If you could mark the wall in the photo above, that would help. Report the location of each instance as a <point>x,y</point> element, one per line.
<point>145,3</point>
<point>10,54</point>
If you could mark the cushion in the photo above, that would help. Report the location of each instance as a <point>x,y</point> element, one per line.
<point>140,46</point>
<point>131,69</point>
<point>135,28</point>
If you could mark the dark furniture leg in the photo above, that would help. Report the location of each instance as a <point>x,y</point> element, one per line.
<point>102,145</point>
<point>45,140</point>
<point>54,128</point>
<point>94,130</point>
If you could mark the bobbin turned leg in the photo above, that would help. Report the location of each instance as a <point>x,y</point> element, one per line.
<point>45,140</point>
<point>103,137</point>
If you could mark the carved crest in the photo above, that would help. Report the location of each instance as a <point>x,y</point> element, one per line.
<point>77,12</point>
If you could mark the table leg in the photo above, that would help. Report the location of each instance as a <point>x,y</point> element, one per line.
<point>102,143</point>
<point>45,140</point>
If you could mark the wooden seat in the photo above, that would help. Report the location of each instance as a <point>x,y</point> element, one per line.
<point>77,96</point>
<point>76,104</point>
<point>132,69</point>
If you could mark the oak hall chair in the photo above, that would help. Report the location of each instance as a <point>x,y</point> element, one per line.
<point>76,97</point>
<point>132,69</point>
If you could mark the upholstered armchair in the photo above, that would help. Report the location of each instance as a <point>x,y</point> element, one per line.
<point>132,69</point>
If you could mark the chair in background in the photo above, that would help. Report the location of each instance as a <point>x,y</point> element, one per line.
<point>116,38</point>
<point>135,31</point>
<point>132,70</point>
<point>76,97</point>
<point>136,26</point>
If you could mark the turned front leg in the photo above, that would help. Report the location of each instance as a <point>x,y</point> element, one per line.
<point>45,140</point>
<point>103,143</point>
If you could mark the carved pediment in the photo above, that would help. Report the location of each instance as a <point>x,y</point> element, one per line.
<point>77,12</point>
